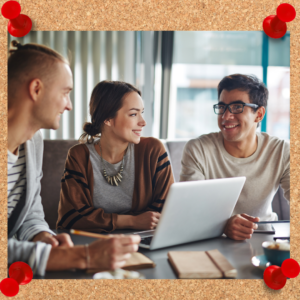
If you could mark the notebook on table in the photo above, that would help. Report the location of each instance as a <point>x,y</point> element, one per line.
<point>201,264</point>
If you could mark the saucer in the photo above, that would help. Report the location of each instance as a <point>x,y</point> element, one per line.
<point>260,261</point>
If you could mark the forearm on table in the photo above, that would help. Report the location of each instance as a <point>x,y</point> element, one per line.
<point>125,221</point>
<point>62,258</point>
<point>40,235</point>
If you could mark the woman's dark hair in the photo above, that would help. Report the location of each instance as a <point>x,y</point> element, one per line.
<point>107,98</point>
<point>258,93</point>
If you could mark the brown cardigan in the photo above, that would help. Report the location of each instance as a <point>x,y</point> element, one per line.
<point>153,178</point>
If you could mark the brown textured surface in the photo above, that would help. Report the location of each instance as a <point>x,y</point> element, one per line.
<point>157,15</point>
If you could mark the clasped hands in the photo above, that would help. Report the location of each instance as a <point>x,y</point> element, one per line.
<point>62,239</point>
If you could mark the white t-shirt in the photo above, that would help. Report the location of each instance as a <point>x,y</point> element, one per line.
<point>206,158</point>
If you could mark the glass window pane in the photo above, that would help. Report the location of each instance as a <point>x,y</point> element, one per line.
<point>201,59</point>
<point>279,51</point>
<point>193,94</point>
<point>218,47</point>
<point>278,118</point>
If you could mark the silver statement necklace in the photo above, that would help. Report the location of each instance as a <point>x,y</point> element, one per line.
<point>112,180</point>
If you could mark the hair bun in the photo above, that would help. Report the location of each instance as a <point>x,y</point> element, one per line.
<point>16,44</point>
<point>90,129</point>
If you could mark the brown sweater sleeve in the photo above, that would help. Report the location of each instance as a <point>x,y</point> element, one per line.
<point>162,178</point>
<point>153,176</point>
<point>76,209</point>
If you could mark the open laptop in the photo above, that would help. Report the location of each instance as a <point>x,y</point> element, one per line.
<point>194,210</point>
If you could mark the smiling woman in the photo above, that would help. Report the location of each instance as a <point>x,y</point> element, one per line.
<point>114,179</point>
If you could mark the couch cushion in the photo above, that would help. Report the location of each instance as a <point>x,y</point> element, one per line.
<point>55,154</point>
<point>175,150</point>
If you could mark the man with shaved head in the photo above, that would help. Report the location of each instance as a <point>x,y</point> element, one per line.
<point>39,85</point>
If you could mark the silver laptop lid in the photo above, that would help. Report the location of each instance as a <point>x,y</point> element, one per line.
<point>196,210</point>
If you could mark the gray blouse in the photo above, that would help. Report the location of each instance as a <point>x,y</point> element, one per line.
<point>112,199</point>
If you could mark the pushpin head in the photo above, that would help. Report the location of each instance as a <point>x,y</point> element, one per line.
<point>20,26</point>
<point>9,287</point>
<point>21,272</point>
<point>11,9</point>
<point>274,27</point>
<point>290,268</point>
<point>274,277</point>
<point>286,12</point>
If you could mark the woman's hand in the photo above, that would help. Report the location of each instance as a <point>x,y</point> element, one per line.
<point>146,220</point>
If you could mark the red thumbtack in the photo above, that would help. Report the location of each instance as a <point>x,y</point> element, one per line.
<point>21,272</point>
<point>290,268</point>
<point>19,24</point>
<point>274,277</point>
<point>275,26</point>
<point>9,287</point>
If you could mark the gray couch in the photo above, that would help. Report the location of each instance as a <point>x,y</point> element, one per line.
<point>55,153</point>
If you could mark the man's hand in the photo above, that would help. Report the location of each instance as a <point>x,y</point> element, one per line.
<point>240,227</point>
<point>62,239</point>
<point>105,254</point>
<point>146,220</point>
<point>112,253</point>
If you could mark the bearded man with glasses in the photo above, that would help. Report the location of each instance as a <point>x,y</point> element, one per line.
<point>239,150</point>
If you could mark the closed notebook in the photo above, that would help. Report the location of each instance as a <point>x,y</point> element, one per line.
<point>135,262</point>
<point>201,264</point>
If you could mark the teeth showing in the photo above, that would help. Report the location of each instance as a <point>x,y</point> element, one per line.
<point>230,126</point>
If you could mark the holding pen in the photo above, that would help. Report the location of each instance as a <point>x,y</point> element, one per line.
<point>270,222</point>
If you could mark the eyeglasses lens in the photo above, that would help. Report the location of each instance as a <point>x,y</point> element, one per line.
<point>235,108</point>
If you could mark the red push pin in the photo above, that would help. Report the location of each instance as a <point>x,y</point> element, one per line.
<point>19,25</point>
<point>290,268</point>
<point>274,278</point>
<point>21,272</point>
<point>274,26</point>
<point>9,287</point>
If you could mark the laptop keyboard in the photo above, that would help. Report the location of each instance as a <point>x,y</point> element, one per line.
<point>146,241</point>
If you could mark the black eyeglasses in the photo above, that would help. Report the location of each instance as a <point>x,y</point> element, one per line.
<point>234,108</point>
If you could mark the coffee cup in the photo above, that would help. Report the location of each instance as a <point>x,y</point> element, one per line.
<point>276,252</point>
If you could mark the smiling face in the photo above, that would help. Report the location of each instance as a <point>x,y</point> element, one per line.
<point>238,127</point>
<point>55,97</point>
<point>128,123</point>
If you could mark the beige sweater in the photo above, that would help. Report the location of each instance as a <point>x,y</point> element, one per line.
<point>206,158</point>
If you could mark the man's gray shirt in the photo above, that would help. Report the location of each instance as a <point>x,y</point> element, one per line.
<point>27,219</point>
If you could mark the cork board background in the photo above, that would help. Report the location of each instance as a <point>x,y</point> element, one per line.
<point>156,15</point>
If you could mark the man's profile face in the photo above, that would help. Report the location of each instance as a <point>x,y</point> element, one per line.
<point>56,96</point>
<point>237,127</point>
